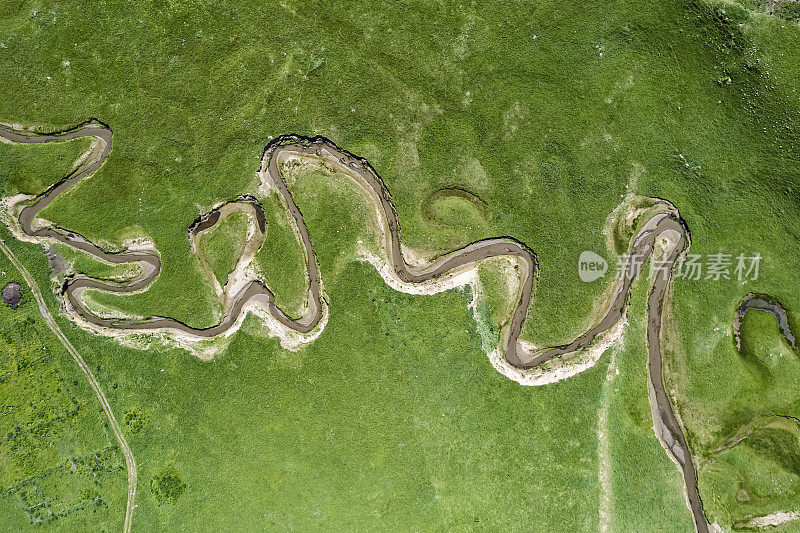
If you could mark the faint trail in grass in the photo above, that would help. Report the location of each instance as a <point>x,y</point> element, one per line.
<point>123,444</point>
<point>604,468</point>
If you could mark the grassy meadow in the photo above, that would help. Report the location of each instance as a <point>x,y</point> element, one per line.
<point>60,467</point>
<point>280,261</point>
<point>379,424</point>
<point>393,418</point>
<point>30,169</point>
<point>223,245</point>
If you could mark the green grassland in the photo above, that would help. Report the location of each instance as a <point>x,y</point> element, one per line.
<point>60,464</point>
<point>29,168</point>
<point>223,245</point>
<point>280,262</point>
<point>550,115</point>
<point>761,473</point>
<point>647,488</point>
<point>377,425</point>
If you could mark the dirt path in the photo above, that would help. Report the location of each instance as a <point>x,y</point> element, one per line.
<point>663,227</point>
<point>130,463</point>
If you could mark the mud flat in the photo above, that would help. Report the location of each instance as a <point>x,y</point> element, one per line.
<point>664,234</point>
<point>12,293</point>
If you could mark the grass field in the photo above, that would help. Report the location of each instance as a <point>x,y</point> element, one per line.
<point>223,245</point>
<point>761,473</point>
<point>281,262</point>
<point>60,464</point>
<point>549,114</point>
<point>379,424</point>
<point>29,169</point>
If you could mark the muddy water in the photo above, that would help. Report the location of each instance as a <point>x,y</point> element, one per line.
<point>659,226</point>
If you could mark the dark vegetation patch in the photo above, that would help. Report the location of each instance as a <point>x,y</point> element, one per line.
<point>167,485</point>
<point>135,419</point>
<point>777,445</point>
